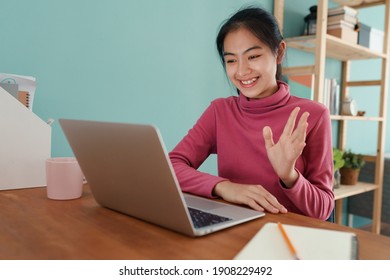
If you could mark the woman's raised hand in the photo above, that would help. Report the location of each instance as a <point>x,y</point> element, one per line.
<point>286,151</point>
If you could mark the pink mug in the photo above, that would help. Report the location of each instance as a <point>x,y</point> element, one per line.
<point>64,178</point>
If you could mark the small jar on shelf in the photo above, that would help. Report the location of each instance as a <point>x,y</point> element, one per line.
<point>349,107</point>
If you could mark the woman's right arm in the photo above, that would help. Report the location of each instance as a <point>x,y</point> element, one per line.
<point>255,196</point>
<point>192,151</point>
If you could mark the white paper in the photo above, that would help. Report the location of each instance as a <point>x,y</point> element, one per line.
<point>310,243</point>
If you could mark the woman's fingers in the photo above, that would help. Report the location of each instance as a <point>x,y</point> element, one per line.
<point>289,127</point>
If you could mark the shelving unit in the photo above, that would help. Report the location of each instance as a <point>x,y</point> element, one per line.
<point>335,48</point>
<point>325,46</point>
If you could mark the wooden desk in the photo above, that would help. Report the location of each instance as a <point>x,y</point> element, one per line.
<point>34,227</point>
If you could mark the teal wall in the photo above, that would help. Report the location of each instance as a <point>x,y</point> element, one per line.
<point>130,60</point>
<point>142,61</point>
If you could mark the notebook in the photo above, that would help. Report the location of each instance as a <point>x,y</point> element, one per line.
<point>310,244</point>
<point>128,170</point>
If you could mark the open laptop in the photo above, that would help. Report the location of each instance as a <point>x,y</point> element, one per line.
<point>128,170</point>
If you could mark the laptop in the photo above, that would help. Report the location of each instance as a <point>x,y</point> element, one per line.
<point>129,171</point>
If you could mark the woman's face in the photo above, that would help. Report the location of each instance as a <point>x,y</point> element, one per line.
<point>250,64</point>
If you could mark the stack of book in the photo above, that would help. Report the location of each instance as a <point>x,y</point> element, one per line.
<point>343,23</point>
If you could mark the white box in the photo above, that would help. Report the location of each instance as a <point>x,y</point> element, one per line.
<point>25,145</point>
<point>371,38</point>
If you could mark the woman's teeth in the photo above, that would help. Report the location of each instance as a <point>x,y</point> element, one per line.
<point>248,82</point>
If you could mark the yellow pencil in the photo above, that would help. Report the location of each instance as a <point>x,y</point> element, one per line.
<point>288,241</point>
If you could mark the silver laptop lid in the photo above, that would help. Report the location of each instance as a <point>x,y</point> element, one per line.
<point>128,171</point>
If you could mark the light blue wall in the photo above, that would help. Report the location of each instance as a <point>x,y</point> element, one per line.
<point>127,60</point>
<point>118,60</point>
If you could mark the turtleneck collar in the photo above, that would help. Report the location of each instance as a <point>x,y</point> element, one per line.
<point>266,104</point>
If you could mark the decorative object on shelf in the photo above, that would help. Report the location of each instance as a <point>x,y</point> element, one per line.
<point>350,171</point>
<point>349,107</point>
<point>361,113</point>
<point>310,21</point>
<point>338,162</point>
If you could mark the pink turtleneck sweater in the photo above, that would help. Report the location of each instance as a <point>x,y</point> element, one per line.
<point>232,128</point>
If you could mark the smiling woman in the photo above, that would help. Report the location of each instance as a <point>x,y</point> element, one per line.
<point>271,155</point>
<point>252,65</point>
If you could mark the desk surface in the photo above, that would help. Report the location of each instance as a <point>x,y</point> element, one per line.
<point>34,227</point>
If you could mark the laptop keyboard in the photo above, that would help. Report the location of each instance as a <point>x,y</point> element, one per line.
<point>202,219</point>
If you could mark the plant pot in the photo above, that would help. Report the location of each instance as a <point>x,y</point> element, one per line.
<point>349,176</point>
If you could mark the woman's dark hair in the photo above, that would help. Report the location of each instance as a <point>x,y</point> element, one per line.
<point>261,23</point>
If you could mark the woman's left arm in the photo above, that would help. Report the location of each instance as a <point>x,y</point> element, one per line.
<point>311,189</point>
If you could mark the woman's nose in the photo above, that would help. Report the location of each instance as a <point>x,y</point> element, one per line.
<point>243,68</point>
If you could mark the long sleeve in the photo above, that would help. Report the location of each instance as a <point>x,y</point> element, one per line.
<point>192,151</point>
<point>312,193</point>
<point>232,128</point>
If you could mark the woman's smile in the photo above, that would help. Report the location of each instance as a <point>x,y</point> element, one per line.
<point>249,83</point>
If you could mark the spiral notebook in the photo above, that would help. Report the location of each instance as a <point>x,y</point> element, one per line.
<point>310,244</point>
<point>13,89</point>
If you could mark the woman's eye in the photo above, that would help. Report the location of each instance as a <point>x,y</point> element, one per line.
<point>230,61</point>
<point>253,57</point>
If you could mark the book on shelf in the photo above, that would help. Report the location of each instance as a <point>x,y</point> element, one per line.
<point>343,10</point>
<point>343,30</point>
<point>332,96</point>
<point>341,24</point>
<point>342,17</point>
<point>309,244</point>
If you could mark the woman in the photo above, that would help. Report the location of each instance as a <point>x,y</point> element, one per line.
<point>271,155</point>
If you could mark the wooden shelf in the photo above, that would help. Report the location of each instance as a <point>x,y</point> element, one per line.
<point>335,48</point>
<point>346,191</point>
<point>355,118</point>
<point>360,3</point>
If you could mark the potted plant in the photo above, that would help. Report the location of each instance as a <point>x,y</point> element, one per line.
<point>352,164</point>
<point>338,162</point>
